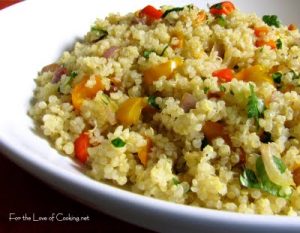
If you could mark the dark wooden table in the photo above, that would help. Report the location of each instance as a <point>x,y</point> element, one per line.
<point>21,193</point>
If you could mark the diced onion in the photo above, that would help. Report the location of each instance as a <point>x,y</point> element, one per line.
<point>274,174</point>
<point>110,52</point>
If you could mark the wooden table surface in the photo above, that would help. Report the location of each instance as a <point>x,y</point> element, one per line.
<point>23,194</point>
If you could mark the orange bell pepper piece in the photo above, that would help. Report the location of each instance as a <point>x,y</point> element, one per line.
<point>81,92</point>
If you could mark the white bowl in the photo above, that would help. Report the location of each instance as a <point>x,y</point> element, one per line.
<point>34,33</point>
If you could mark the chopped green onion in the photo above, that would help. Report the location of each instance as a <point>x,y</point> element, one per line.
<point>99,34</point>
<point>147,53</point>
<point>176,9</point>
<point>271,20</point>
<point>151,101</point>
<point>164,50</point>
<point>118,142</point>
<point>278,44</point>
<point>277,77</point>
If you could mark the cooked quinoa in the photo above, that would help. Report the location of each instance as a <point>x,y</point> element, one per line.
<point>198,107</point>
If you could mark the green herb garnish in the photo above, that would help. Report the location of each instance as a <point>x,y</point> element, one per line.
<point>222,88</point>
<point>249,179</point>
<point>73,74</point>
<point>206,89</point>
<point>118,142</point>
<point>176,9</point>
<point>255,106</point>
<point>221,21</point>
<point>151,102</point>
<point>266,184</point>
<point>279,44</point>
<point>65,85</point>
<point>277,77</point>
<point>271,20</point>
<point>260,180</point>
<point>279,164</point>
<point>175,181</point>
<point>164,50</point>
<point>99,34</point>
<point>147,53</point>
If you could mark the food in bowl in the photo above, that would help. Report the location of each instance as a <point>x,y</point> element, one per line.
<point>186,105</point>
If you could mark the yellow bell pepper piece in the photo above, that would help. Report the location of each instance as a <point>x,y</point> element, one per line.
<point>180,40</point>
<point>256,74</point>
<point>130,111</point>
<point>81,92</point>
<point>143,153</point>
<point>165,69</point>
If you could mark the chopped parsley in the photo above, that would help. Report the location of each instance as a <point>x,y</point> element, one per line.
<point>279,44</point>
<point>277,77</point>
<point>249,179</point>
<point>271,20</point>
<point>118,142</point>
<point>260,179</point>
<point>73,74</point>
<point>255,106</point>
<point>176,9</point>
<point>279,164</point>
<point>206,89</point>
<point>221,21</point>
<point>152,103</point>
<point>175,181</point>
<point>147,53</point>
<point>222,88</point>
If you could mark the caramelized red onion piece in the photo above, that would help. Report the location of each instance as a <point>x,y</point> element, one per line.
<point>188,102</point>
